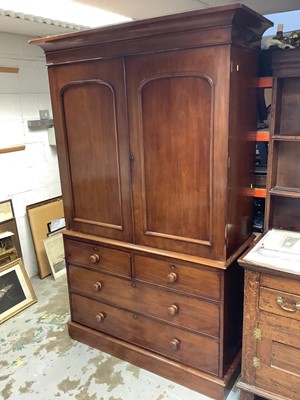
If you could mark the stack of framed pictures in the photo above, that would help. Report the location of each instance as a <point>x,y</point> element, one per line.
<point>16,291</point>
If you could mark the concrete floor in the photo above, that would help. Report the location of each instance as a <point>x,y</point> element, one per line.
<point>39,361</point>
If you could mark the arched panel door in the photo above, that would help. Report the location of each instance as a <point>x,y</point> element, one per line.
<point>178,187</point>
<point>92,118</point>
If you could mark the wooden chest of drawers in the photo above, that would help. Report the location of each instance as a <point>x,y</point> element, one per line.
<point>150,134</point>
<point>271,338</point>
<point>166,307</point>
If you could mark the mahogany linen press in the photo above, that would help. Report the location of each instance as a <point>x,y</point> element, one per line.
<point>151,120</point>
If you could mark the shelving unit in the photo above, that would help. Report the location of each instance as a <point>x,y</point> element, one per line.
<point>257,190</point>
<point>259,136</point>
<point>283,185</point>
<point>271,338</point>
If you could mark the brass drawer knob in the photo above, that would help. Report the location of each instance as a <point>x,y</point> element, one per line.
<point>286,305</point>
<point>100,317</point>
<point>173,309</point>
<point>94,258</point>
<point>172,277</point>
<point>175,344</point>
<point>97,286</point>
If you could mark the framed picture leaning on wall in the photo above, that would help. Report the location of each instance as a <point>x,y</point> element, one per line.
<point>16,291</point>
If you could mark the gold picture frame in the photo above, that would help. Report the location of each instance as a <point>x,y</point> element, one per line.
<point>16,291</point>
<point>6,211</point>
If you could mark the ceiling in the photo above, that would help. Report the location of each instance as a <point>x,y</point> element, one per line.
<point>139,9</point>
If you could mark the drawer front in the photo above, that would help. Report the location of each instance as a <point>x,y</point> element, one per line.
<point>102,258</point>
<point>280,303</point>
<point>189,279</point>
<point>184,311</point>
<point>278,352</point>
<point>279,283</point>
<point>185,347</point>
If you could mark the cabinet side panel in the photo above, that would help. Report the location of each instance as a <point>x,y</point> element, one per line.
<point>241,151</point>
<point>233,313</point>
<point>250,323</point>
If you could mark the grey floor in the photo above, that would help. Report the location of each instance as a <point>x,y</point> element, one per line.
<point>38,360</point>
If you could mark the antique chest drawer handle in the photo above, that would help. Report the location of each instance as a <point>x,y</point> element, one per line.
<point>290,308</point>
<point>94,258</point>
<point>172,277</point>
<point>173,309</point>
<point>97,286</point>
<point>100,317</point>
<point>175,344</point>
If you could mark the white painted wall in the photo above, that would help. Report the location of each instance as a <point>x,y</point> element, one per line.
<point>31,175</point>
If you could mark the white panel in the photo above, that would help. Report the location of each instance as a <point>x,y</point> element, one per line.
<point>45,102</point>
<point>11,133</point>
<point>10,107</point>
<point>30,106</point>
<point>33,80</point>
<point>9,83</point>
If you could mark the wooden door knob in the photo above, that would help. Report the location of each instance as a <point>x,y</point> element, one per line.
<point>97,286</point>
<point>172,277</point>
<point>173,309</point>
<point>100,317</point>
<point>174,344</point>
<point>94,258</point>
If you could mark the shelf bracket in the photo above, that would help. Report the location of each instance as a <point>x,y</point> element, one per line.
<point>43,123</point>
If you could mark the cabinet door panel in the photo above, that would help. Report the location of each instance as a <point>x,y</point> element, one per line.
<point>176,189</point>
<point>100,175</point>
<point>279,355</point>
<point>179,144</point>
<point>94,155</point>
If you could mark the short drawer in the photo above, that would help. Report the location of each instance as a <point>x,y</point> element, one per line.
<point>189,279</point>
<point>183,311</point>
<point>280,303</point>
<point>279,283</point>
<point>102,258</point>
<point>186,347</point>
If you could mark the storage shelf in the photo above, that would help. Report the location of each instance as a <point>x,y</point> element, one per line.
<point>259,136</point>
<point>285,192</point>
<point>262,136</point>
<point>286,138</point>
<point>255,192</point>
<point>265,82</point>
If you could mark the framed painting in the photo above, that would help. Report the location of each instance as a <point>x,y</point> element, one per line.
<point>54,248</point>
<point>16,291</point>
<point>6,210</point>
<point>39,215</point>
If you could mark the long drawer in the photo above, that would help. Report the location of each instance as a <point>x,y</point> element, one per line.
<point>99,257</point>
<point>198,281</point>
<point>183,346</point>
<point>185,311</point>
